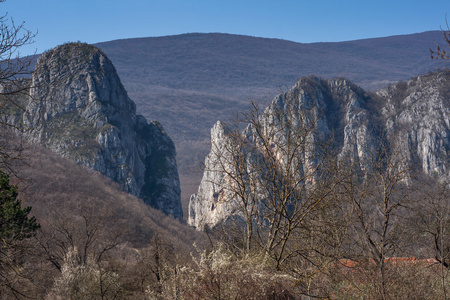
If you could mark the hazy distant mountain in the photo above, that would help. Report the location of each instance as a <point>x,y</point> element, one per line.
<point>188,82</point>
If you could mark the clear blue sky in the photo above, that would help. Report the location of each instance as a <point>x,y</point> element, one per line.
<point>91,21</point>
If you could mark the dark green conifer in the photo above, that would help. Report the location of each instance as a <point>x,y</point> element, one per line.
<point>14,221</point>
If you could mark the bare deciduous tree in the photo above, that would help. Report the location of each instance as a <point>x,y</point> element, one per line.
<point>13,85</point>
<point>82,230</point>
<point>432,221</point>
<point>378,199</point>
<point>441,52</point>
<point>279,173</point>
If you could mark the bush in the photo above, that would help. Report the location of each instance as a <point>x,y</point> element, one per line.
<point>217,274</point>
<point>85,281</point>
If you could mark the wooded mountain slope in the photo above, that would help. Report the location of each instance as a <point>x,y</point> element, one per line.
<point>59,190</point>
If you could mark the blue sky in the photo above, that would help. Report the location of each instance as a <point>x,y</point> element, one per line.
<point>91,21</point>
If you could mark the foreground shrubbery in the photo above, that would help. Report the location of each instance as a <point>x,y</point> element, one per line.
<point>413,279</point>
<point>218,274</point>
<point>114,247</point>
<point>157,273</point>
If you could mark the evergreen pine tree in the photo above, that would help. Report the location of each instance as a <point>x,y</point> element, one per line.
<point>14,221</point>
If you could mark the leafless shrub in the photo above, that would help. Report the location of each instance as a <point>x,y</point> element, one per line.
<point>217,274</point>
<point>85,280</point>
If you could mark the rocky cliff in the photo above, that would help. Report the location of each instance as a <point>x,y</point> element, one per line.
<point>79,109</point>
<point>413,117</point>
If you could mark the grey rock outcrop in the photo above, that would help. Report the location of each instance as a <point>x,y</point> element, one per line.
<point>417,115</point>
<point>412,116</point>
<point>79,109</point>
<point>210,205</point>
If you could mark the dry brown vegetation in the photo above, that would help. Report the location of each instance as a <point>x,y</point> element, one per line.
<point>90,228</point>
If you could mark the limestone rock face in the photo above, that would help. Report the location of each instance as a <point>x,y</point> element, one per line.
<point>412,116</point>
<point>79,109</point>
<point>417,115</point>
<point>208,206</point>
